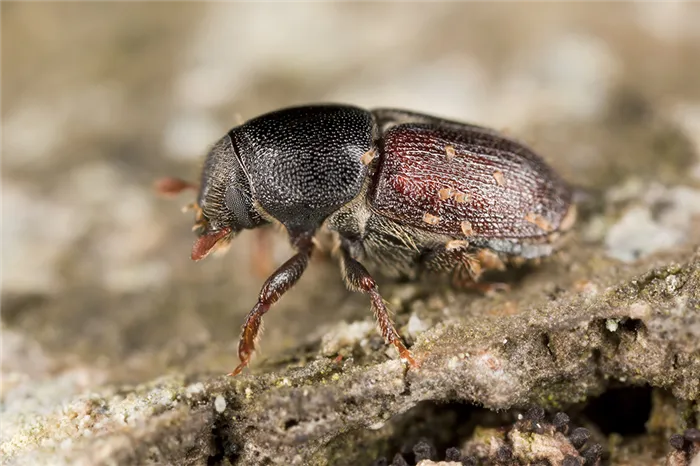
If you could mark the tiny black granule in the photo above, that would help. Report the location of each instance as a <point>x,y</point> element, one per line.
<point>579,437</point>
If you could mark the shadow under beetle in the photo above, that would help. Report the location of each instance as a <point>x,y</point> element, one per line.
<point>404,193</point>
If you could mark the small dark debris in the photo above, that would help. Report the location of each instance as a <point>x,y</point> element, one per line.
<point>592,454</point>
<point>579,437</point>
<point>504,454</point>
<point>686,448</point>
<point>561,422</point>
<point>424,451</point>
<point>453,454</point>
<point>677,441</point>
<point>535,414</point>
<point>692,435</point>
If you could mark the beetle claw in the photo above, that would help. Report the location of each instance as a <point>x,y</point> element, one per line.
<point>237,370</point>
<point>407,357</point>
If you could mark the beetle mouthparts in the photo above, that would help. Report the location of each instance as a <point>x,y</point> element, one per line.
<point>208,242</point>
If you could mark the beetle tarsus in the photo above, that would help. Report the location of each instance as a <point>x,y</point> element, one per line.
<point>279,283</point>
<point>406,356</point>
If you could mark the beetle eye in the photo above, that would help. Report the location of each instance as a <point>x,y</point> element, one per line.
<point>240,204</point>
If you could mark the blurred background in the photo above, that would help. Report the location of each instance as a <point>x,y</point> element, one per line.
<point>101,99</point>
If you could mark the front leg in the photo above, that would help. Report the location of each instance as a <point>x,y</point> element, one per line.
<point>279,283</point>
<point>357,278</point>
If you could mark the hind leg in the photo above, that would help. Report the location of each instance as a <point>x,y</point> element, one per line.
<point>466,266</point>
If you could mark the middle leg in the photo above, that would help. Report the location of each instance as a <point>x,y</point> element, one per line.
<point>358,278</point>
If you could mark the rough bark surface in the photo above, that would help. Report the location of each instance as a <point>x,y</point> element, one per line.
<point>115,345</point>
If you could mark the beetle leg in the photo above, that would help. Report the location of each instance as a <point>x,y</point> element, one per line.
<point>474,265</point>
<point>357,278</point>
<point>261,255</point>
<point>279,283</point>
<point>467,267</point>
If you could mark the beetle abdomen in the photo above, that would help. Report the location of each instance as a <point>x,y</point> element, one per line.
<point>467,183</point>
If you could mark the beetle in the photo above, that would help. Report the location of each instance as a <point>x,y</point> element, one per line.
<point>402,192</point>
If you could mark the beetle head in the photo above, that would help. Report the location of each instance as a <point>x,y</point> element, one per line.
<point>224,205</point>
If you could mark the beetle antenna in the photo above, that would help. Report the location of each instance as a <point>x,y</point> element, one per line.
<point>171,187</point>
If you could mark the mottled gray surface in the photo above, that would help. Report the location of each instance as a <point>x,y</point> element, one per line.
<point>114,344</point>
